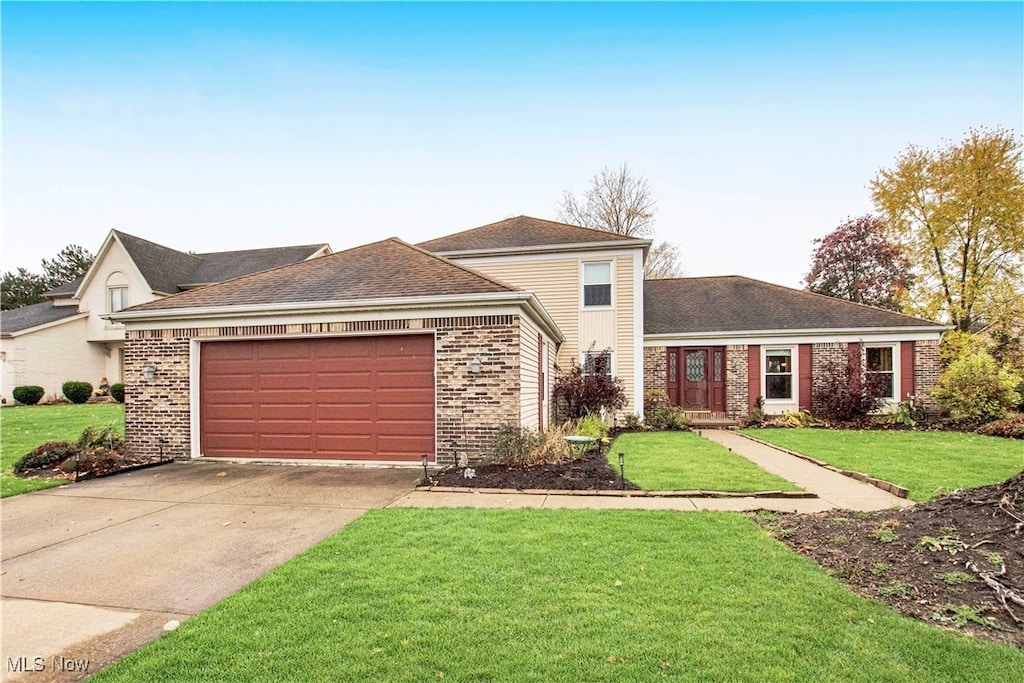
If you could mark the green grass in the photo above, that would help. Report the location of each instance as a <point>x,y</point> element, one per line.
<point>556,595</point>
<point>683,461</point>
<point>25,427</point>
<point>929,464</point>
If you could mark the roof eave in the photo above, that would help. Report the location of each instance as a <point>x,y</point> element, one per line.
<point>43,326</point>
<point>801,332</point>
<point>523,298</point>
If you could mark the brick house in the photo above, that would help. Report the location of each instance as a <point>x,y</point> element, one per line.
<point>388,351</point>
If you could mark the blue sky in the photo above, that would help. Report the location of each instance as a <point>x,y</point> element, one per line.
<point>233,125</point>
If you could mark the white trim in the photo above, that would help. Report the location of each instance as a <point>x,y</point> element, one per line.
<point>194,397</point>
<point>897,369</point>
<point>794,398</point>
<point>638,333</point>
<point>611,285</point>
<point>44,326</point>
<point>548,255</point>
<point>795,336</point>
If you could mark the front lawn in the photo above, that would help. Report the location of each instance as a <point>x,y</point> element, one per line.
<point>927,463</point>
<point>683,461</point>
<point>556,595</point>
<point>23,428</point>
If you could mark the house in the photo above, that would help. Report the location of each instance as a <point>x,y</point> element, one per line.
<point>64,338</point>
<point>388,352</point>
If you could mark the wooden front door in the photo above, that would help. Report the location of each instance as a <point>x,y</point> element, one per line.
<point>696,378</point>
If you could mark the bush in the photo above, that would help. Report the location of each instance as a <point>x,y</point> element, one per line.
<point>975,388</point>
<point>29,395</point>
<point>96,460</point>
<point>654,399</point>
<point>634,422</point>
<point>50,453</point>
<point>517,446</point>
<point>77,392</point>
<point>579,393</point>
<point>845,394</point>
<point>591,425</point>
<point>794,420</point>
<point>101,437</point>
<point>669,418</point>
<point>117,391</point>
<point>1011,427</point>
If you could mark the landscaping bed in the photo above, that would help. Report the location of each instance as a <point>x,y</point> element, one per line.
<point>586,473</point>
<point>946,562</point>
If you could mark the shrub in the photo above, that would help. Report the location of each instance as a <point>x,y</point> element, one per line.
<point>1020,392</point>
<point>590,425</point>
<point>669,418</point>
<point>117,391</point>
<point>50,453</point>
<point>101,437</point>
<point>756,415</point>
<point>634,422</point>
<point>798,419</point>
<point>654,399</point>
<point>29,395</point>
<point>1011,427</point>
<point>96,460</point>
<point>845,394</point>
<point>77,392</point>
<point>974,387</point>
<point>579,393</point>
<point>517,446</point>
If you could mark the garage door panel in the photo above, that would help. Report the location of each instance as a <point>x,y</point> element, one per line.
<point>357,398</point>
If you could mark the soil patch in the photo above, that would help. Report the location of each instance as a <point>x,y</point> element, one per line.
<point>92,468</point>
<point>588,472</point>
<point>956,561</point>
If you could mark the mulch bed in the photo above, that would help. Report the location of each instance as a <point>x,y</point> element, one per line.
<point>124,463</point>
<point>955,561</point>
<point>588,472</point>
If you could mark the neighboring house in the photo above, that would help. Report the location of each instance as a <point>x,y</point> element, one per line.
<point>388,352</point>
<point>65,338</point>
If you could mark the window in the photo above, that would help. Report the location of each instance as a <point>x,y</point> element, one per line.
<point>878,365</point>
<point>597,284</point>
<point>778,374</point>
<point>118,299</point>
<point>597,363</point>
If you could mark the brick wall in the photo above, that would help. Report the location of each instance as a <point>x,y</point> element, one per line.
<point>736,385</point>
<point>926,373</point>
<point>655,370</point>
<point>825,356</point>
<point>469,407</point>
<point>156,418</point>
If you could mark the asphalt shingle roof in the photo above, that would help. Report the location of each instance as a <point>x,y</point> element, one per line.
<point>519,232</point>
<point>736,304</point>
<point>169,270</point>
<point>387,269</point>
<point>27,317</point>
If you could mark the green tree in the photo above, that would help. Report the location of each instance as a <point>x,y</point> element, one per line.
<point>68,265</point>
<point>21,288</point>
<point>619,201</point>
<point>958,212</point>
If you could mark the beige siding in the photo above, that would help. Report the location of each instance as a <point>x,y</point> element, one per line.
<point>528,375</point>
<point>556,282</point>
<point>51,356</point>
<point>116,268</point>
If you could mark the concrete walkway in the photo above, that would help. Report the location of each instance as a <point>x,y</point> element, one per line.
<point>833,490</point>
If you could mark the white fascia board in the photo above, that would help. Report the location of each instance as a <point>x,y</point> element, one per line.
<point>341,311</point>
<point>594,250</point>
<point>96,263</point>
<point>796,336</point>
<point>46,326</point>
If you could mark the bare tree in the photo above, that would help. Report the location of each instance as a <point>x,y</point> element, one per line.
<point>619,201</point>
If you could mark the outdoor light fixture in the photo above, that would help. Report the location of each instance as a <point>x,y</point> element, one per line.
<point>475,365</point>
<point>148,372</point>
<point>622,470</point>
<point>426,477</point>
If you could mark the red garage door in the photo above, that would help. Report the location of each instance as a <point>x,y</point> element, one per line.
<point>353,398</point>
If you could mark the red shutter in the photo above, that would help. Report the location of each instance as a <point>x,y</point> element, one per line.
<point>805,377</point>
<point>853,352</point>
<point>753,374</point>
<point>906,369</point>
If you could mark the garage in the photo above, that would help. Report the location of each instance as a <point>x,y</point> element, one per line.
<point>342,398</point>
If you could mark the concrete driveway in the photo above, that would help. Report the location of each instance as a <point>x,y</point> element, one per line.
<point>93,570</point>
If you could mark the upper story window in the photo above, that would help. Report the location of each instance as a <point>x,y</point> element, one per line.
<point>597,284</point>
<point>117,299</point>
<point>878,363</point>
<point>778,374</point>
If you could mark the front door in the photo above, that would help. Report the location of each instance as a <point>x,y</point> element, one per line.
<point>695,379</point>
